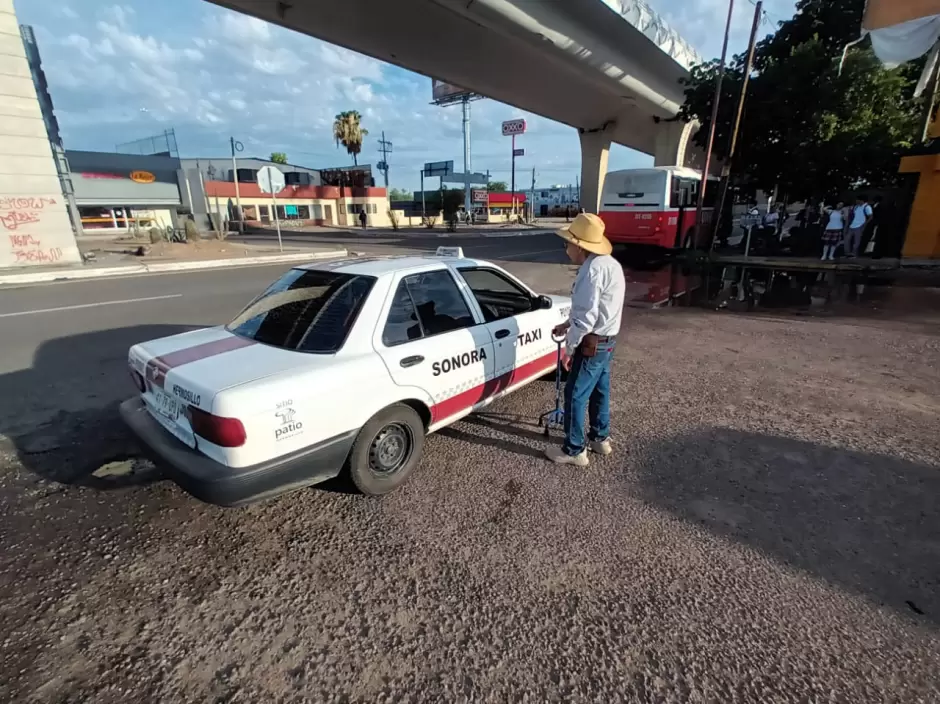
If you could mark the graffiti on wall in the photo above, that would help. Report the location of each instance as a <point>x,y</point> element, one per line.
<point>18,212</point>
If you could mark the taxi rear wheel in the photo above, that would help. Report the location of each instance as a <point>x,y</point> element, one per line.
<point>386,450</point>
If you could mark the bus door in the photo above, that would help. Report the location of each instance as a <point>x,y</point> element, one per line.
<point>683,197</point>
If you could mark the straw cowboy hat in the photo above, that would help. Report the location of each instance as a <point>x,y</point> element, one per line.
<point>587,232</point>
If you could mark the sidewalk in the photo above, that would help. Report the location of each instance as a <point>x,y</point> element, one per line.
<point>438,231</point>
<point>123,257</point>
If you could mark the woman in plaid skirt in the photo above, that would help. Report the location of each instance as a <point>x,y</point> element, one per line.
<point>834,232</point>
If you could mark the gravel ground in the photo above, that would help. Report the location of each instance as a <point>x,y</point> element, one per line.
<point>767,531</point>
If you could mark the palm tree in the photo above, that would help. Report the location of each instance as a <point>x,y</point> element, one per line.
<point>348,132</point>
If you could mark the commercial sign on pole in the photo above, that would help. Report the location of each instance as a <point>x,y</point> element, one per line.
<point>438,168</point>
<point>271,180</point>
<point>511,128</point>
<point>479,195</point>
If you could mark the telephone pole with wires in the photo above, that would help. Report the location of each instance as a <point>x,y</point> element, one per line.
<point>386,148</point>
<point>726,170</point>
<point>711,129</point>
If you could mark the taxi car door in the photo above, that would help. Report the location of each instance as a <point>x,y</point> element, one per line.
<point>521,328</point>
<point>431,340</point>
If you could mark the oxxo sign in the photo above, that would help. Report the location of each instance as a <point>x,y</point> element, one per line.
<point>513,127</point>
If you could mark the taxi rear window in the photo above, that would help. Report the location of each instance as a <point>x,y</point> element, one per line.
<point>306,311</point>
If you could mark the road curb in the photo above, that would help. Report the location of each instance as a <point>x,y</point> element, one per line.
<point>103,272</point>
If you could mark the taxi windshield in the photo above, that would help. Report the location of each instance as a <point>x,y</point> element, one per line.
<point>306,311</point>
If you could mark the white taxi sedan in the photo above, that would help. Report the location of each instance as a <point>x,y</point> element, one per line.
<point>337,365</point>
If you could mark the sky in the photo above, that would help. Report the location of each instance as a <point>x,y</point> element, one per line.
<point>119,72</point>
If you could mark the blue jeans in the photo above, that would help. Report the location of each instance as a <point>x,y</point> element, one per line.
<point>588,389</point>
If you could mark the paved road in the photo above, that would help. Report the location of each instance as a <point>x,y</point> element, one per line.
<point>767,530</point>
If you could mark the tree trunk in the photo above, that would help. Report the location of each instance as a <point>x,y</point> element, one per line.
<point>355,160</point>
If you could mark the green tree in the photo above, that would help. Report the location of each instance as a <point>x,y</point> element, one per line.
<point>807,128</point>
<point>396,194</point>
<point>279,157</point>
<point>348,131</point>
<point>498,186</point>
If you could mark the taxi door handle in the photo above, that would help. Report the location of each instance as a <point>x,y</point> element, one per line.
<point>411,361</point>
<point>500,334</point>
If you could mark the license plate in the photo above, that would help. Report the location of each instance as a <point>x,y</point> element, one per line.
<point>166,405</point>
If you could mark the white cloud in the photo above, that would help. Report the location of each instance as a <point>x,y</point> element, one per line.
<point>240,29</point>
<point>275,90</point>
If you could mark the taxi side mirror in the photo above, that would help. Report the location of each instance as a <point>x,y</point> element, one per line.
<point>543,302</point>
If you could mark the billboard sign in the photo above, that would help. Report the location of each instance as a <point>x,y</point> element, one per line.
<point>438,168</point>
<point>513,127</point>
<point>441,91</point>
<point>479,195</point>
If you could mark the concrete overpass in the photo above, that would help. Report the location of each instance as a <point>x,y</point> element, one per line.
<point>610,68</point>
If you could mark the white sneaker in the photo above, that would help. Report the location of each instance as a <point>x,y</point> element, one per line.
<point>558,456</point>
<point>601,447</point>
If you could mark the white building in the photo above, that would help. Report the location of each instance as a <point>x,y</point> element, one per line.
<point>552,201</point>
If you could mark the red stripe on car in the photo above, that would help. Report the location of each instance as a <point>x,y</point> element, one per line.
<point>463,401</point>
<point>159,366</point>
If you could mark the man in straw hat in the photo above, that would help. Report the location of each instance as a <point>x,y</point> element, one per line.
<point>590,335</point>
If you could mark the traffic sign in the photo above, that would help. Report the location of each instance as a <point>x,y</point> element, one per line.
<point>518,152</point>
<point>513,127</point>
<point>270,179</point>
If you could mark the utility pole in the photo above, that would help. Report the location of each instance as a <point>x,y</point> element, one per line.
<point>711,128</point>
<point>726,171</point>
<point>386,148</point>
<point>532,197</point>
<point>467,161</point>
<point>236,147</point>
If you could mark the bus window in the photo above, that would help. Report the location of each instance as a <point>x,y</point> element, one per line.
<point>639,190</point>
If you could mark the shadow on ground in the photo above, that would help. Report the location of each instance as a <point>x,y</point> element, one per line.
<point>60,417</point>
<point>862,522</point>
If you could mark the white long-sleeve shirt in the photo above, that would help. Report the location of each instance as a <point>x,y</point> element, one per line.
<point>596,300</point>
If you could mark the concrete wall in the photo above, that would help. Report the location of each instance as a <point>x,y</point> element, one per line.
<point>34,223</point>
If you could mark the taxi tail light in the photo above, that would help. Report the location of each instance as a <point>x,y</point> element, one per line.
<point>224,432</point>
<point>138,380</point>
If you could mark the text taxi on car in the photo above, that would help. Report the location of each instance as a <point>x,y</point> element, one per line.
<point>338,365</point>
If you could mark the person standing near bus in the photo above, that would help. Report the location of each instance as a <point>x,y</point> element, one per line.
<point>590,336</point>
<point>861,215</point>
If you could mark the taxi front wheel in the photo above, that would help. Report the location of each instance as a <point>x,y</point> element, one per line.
<point>386,450</point>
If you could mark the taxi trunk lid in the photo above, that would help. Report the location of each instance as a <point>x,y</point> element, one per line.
<point>191,369</point>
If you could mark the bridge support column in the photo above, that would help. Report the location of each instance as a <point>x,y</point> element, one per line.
<point>595,150</point>
<point>672,144</point>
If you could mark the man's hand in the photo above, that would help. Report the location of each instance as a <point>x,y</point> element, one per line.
<point>561,329</point>
<point>565,361</point>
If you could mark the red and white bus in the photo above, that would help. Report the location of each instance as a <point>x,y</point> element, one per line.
<point>656,206</point>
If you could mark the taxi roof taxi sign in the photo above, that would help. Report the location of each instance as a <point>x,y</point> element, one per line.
<point>456,252</point>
